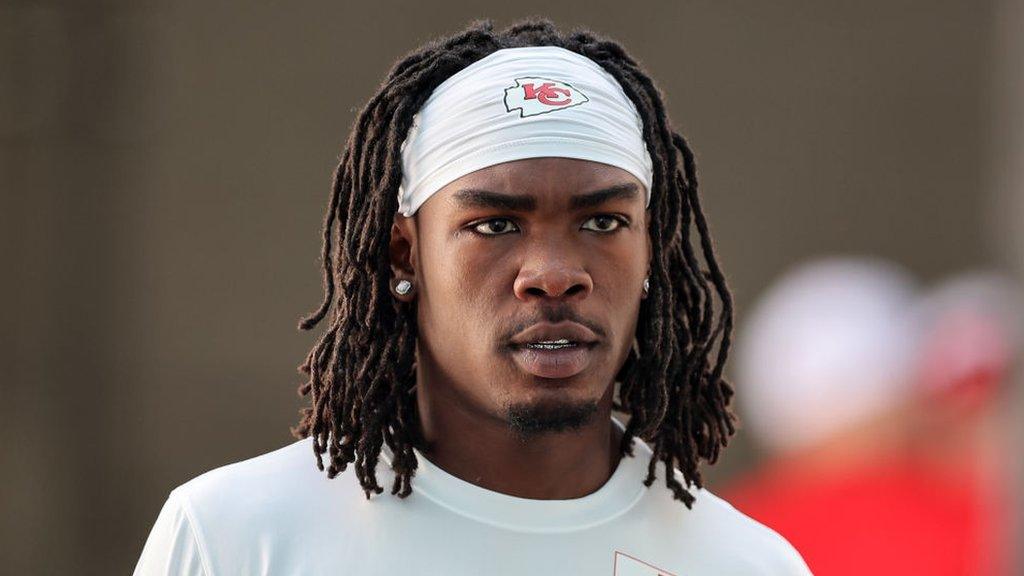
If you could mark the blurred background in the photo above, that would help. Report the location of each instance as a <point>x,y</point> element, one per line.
<point>165,169</point>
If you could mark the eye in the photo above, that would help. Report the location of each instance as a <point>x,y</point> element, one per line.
<point>605,220</point>
<point>487,227</point>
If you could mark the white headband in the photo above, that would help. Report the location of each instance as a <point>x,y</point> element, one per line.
<point>521,103</point>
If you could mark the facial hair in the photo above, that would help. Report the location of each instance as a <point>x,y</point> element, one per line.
<point>527,420</point>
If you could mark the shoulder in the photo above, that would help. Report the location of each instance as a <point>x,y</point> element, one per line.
<point>249,477</point>
<point>173,547</point>
<point>269,487</point>
<point>219,521</point>
<point>763,546</point>
<point>243,517</point>
<point>725,539</point>
<point>717,536</point>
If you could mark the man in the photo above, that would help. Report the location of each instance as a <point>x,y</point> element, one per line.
<point>509,241</point>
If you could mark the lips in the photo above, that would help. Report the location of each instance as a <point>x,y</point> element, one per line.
<point>546,331</point>
<point>558,363</point>
<point>538,350</point>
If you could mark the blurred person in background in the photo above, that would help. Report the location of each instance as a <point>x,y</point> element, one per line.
<point>877,410</point>
<point>824,361</point>
<point>969,330</point>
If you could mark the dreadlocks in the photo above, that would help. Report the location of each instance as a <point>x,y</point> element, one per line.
<point>362,370</point>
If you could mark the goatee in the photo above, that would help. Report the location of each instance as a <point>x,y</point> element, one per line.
<point>531,419</point>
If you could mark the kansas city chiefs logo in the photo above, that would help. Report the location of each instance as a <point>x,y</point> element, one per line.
<point>626,565</point>
<point>532,96</point>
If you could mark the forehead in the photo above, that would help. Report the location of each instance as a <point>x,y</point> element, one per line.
<point>536,183</point>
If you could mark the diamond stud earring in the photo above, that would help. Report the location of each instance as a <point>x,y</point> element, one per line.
<point>403,287</point>
<point>647,285</point>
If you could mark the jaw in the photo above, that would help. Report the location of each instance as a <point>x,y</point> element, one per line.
<point>530,419</point>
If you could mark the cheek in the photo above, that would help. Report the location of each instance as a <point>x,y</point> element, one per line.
<point>461,278</point>
<point>464,289</point>
<point>619,270</point>
<point>469,269</point>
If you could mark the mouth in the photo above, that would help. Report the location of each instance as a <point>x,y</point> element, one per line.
<point>561,358</point>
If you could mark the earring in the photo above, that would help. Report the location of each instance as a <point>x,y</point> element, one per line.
<point>647,285</point>
<point>403,287</point>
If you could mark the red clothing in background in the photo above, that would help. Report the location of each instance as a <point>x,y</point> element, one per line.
<point>890,518</point>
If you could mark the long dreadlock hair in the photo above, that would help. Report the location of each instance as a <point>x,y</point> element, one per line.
<point>361,372</point>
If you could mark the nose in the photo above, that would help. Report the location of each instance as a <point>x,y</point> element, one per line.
<point>551,275</point>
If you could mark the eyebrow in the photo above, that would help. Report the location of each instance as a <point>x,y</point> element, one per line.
<point>476,198</point>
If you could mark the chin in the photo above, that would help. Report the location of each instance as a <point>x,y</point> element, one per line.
<point>549,415</point>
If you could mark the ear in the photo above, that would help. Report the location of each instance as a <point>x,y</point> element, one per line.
<point>402,251</point>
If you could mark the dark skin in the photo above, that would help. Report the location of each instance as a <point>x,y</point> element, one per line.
<point>481,273</point>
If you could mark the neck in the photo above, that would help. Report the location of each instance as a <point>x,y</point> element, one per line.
<point>482,449</point>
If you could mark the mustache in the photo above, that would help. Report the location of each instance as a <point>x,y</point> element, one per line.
<point>555,314</point>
